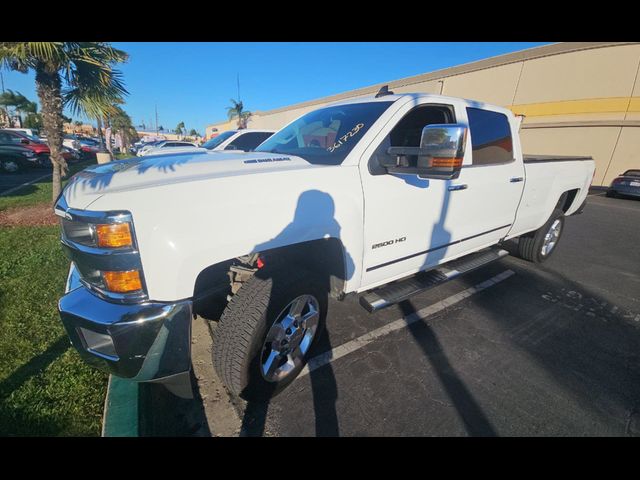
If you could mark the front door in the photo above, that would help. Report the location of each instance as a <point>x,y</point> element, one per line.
<point>412,224</point>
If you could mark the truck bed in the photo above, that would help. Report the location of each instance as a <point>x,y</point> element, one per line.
<point>553,158</point>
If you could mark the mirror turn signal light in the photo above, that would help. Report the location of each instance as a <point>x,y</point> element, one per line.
<point>114,235</point>
<point>122,282</point>
<point>446,162</point>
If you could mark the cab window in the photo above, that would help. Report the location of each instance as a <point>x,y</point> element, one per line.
<point>491,140</point>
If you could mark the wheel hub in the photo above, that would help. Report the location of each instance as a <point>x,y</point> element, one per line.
<point>289,338</point>
<point>551,237</point>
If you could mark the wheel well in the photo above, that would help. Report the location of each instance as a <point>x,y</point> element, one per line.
<point>566,200</point>
<point>324,256</point>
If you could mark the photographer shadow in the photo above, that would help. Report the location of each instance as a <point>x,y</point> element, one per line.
<point>314,208</point>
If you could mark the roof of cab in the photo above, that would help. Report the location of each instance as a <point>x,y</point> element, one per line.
<point>430,96</point>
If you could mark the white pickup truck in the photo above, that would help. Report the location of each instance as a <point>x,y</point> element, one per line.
<point>380,197</point>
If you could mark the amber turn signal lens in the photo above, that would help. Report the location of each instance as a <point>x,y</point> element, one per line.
<point>114,235</point>
<point>446,162</point>
<point>122,282</point>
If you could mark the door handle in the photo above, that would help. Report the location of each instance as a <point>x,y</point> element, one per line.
<point>461,186</point>
<point>516,179</point>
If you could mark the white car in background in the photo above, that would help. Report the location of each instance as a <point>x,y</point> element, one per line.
<point>245,140</point>
<point>166,146</point>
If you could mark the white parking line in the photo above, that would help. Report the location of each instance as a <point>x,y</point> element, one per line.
<point>11,190</point>
<point>362,341</point>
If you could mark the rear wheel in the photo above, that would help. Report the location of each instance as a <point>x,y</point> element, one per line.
<point>537,246</point>
<point>266,332</point>
<point>611,193</point>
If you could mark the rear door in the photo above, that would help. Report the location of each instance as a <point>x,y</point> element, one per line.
<point>484,198</point>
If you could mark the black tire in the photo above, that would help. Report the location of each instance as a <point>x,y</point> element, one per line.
<point>243,327</point>
<point>530,244</point>
<point>611,194</point>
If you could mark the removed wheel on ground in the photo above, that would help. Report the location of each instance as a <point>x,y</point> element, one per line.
<point>537,246</point>
<point>266,332</point>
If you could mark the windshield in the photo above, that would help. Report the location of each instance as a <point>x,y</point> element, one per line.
<point>215,141</point>
<point>326,136</point>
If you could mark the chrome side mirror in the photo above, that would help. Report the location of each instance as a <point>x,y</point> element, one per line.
<point>439,155</point>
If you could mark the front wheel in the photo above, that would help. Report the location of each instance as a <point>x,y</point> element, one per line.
<point>267,331</point>
<point>537,246</point>
<point>9,166</point>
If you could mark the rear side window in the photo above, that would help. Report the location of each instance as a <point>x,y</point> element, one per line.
<point>490,137</point>
<point>248,141</point>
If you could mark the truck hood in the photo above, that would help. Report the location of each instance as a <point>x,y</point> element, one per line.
<point>152,171</point>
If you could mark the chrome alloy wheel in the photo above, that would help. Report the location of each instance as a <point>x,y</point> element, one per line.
<point>551,238</point>
<point>289,338</point>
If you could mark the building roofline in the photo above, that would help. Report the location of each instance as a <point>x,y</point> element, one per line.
<point>497,61</point>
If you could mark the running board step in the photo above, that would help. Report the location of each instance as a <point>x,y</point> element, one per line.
<point>396,292</point>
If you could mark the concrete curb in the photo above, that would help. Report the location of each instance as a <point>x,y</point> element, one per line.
<point>121,409</point>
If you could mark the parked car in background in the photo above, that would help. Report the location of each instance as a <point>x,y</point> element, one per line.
<point>32,132</point>
<point>71,141</point>
<point>8,136</point>
<point>15,158</point>
<point>245,140</point>
<point>147,146</point>
<point>166,146</point>
<point>88,147</point>
<point>626,184</point>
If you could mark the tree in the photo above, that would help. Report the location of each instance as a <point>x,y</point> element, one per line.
<point>237,111</point>
<point>121,123</point>
<point>179,129</point>
<point>19,102</point>
<point>76,74</point>
<point>194,133</point>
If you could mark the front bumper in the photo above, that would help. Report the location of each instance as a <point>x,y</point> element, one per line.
<point>148,341</point>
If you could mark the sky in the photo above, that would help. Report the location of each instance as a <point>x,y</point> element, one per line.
<point>194,82</point>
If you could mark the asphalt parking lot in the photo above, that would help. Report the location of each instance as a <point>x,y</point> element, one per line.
<point>512,349</point>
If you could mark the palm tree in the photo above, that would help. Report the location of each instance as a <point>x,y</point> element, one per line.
<point>121,123</point>
<point>77,74</point>
<point>180,129</point>
<point>19,102</point>
<point>236,110</point>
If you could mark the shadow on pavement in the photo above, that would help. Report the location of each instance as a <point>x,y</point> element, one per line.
<point>162,414</point>
<point>325,394</point>
<point>475,421</point>
<point>587,345</point>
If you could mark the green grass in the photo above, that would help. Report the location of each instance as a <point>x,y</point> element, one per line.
<point>39,192</point>
<point>45,388</point>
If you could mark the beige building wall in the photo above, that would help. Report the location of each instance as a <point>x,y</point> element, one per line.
<point>579,98</point>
